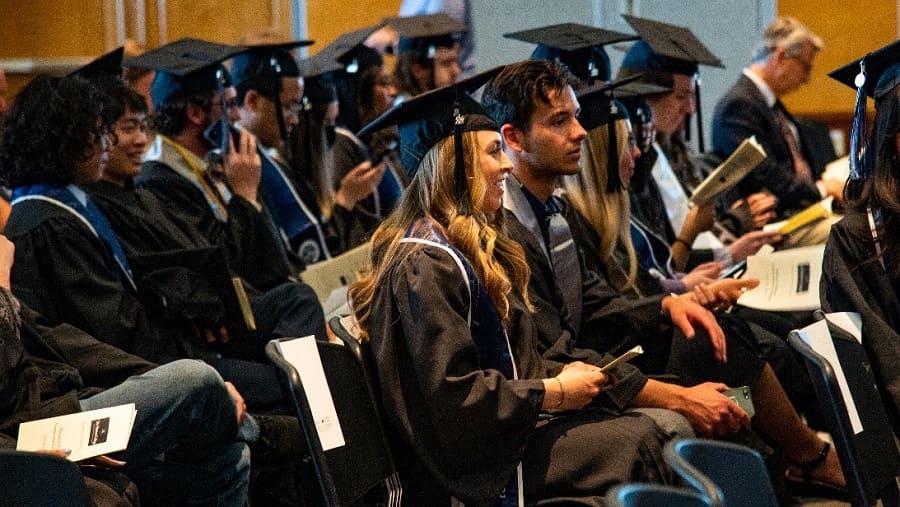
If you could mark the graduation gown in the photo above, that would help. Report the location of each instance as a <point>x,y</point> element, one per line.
<point>461,428</point>
<point>68,274</point>
<point>853,280</point>
<point>254,250</point>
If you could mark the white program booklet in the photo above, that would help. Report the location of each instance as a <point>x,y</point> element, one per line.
<point>788,279</point>
<point>87,434</point>
<point>303,355</point>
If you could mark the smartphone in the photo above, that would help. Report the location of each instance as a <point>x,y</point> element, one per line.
<point>735,271</point>
<point>215,134</point>
<point>390,147</point>
<point>741,396</point>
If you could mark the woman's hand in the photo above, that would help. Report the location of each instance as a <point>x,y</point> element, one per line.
<point>575,386</point>
<point>359,183</point>
<point>721,294</point>
<point>707,272</point>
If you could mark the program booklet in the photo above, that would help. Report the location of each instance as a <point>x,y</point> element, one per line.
<point>788,279</point>
<point>744,159</point>
<point>87,434</point>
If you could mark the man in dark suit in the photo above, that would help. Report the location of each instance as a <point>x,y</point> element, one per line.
<point>753,107</point>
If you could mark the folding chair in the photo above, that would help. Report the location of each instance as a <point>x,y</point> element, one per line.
<point>869,458</point>
<point>727,474</point>
<point>30,479</point>
<point>346,474</point>
<point>654,495</point>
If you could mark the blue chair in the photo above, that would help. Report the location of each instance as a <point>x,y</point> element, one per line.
<point>869,459</point>
<point>726,474</point>
<point>654,495</point>
<point>30,479</point>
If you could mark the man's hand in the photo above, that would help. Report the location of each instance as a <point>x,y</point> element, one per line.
<point>359,183</point>
<point>243,166</point>
<point>762,208</point>
<point>750,243</point>
<point>721,294</point>
<point>7,254</point>
<point>240,407</point>
<point>710,412</point>
<point>685,313</point>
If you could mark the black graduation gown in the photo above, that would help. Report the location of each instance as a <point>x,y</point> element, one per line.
<point>853,280</point>
<point>69,275</point>
<point>348,152</point>
<point>459,428</point>
<point>253,248</point>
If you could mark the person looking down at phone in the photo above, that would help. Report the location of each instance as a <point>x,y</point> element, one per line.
<point>538,111</point>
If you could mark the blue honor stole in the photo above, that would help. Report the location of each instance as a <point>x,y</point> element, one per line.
<point>67,198</point>
<point>297,224</point>
<point>491,340</point>
<point>387,193</point>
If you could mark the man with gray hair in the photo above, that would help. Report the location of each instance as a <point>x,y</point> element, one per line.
<point>782,63</point>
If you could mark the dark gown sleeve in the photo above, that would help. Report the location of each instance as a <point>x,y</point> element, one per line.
<point>467,425</point>
<point>249,238</point>
<point>854,281</point>
<point>64,272</point>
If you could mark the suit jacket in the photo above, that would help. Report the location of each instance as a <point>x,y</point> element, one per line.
<point>743,112</point>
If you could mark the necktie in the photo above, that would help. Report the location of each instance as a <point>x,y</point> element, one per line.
<point>800,166</point>
<point>564,259</point>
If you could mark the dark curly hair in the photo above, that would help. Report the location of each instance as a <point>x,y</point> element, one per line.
<point>511,95</point>
<point>54,124</point>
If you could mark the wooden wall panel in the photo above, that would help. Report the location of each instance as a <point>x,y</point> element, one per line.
<point>327,19</point>
<point>51,28</point>
<point>849,30</point>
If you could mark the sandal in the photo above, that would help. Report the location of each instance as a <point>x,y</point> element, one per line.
<point>806,486</point>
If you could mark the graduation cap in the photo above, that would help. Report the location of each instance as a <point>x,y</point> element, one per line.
<point>599,106</point>
<point>874,75</point>
<point>319,80</point>
<point>579,47</point>
<point>262,66</point>
<point>669,49</point>
<point>426,119</point>
<point>426,32</point>
<point>185,67</point>
<point>349,50</point>
<point>106,66</point>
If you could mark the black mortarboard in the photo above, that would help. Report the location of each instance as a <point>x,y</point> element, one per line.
<point>426,119</point>
<point>669,49</point>
<point>348,49</point>
<point>184,67</point>
<point>267,62</point>
<point>319,80</point>
<point>108,65</point>
<point>426,32</point>
<point>666,48</point>
<point>874,75</point>
<point>599,106</point>
<point>579,47</point>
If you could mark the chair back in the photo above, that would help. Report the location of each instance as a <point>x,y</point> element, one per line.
<point>727,474</point>
<point>345,473</point>
<point>654,495</point>
<point>30,479</point>
<point>865,444</point>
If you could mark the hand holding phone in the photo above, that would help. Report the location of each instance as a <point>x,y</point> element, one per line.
<point>741,396</point>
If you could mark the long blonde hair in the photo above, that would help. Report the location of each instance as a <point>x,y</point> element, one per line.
<point>498,262</point>
<point>609,213</point>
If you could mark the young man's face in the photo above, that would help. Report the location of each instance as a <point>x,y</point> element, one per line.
<point>130,143</point>
<point>446,66</point>
<point>670,110</point>
<point>552,144</point>
<point>265,123</point>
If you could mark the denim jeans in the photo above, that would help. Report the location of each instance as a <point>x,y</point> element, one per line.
<point>183,446</point>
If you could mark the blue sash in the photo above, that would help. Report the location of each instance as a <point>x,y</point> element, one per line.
<point>294,220</point>
<point>88,213</point>
<point>387,193</point>
<point>490,339</point>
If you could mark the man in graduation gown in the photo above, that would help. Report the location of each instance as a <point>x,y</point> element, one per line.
<point>543,140</point>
